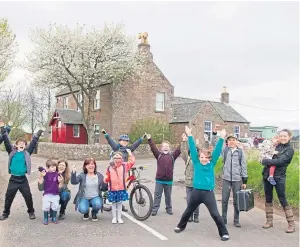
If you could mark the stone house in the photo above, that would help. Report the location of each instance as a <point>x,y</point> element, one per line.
<point>117,107</point>
<point>202,115</point>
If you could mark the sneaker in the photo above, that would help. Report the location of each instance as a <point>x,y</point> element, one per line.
<point>94,217</point>
<point>114,221</point>
<point>178,230</point>
<point>237,224</point>
<point>169,212</point>
<point>3,217</point>
<point>154,213</point>
<point>86,216</point>
<point>196,219</point>
<point>120,221</point>
<point>272,180</point>
<point>31,216</point>
<point>190,219</point>
<point>225,237</point>
<point>61,216</point>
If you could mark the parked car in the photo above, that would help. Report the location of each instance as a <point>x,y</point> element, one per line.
<point>246,142</point>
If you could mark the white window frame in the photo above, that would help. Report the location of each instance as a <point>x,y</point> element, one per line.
<point>208,132</point>
<point>160,101</point>
<point>79,99</point>
<point>237,134</point>
<point>97,135</point>
<point>97,100</point>
<point>65,102</point>
<point>78,130</point>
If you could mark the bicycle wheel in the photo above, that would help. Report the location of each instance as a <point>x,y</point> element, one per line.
<point>136,195</point>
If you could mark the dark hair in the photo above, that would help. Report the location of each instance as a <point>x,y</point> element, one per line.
<point>21,139</point>
<point>51,163</point>
<point>287,131</point>
<point>88,161</point>
<point>66,173</point>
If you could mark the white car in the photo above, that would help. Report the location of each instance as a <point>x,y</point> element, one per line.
<point>246,142</point>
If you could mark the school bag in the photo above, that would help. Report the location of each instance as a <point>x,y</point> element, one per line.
<point>171,154</point>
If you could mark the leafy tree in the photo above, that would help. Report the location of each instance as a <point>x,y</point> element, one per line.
<point>158,129</point>
<point>16,133</point>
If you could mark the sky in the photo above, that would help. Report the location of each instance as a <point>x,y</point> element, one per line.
<point>252,48</point>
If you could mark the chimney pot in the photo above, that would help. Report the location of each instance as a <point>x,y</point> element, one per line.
<point>225,96</point>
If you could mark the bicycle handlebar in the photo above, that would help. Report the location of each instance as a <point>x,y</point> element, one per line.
<point>138,168</point>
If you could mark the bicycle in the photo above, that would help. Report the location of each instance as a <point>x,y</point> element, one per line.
<point>136,194</point>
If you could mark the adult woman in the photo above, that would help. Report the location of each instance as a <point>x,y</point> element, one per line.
<point>281,161</point>
<point>90,186</point>
<point>64,193</point>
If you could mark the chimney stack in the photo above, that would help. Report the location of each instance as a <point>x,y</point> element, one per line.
<point>225,96</point>
<point>144,46</point>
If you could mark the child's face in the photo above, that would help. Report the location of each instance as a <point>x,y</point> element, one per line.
<point>52,169</point>
<point>123,143</point>
<point>276,140</point>
<point>232,142</point>
<point>21,146</point>
<point>117,159</point>
<point>204,159</point>
<point>165,147</point>
<point>62,167</point>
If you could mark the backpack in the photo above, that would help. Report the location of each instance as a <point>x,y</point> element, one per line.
<point>240,153</point>
<point>173,161</point>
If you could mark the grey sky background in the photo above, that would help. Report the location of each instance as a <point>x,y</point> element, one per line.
<point>250,47</point>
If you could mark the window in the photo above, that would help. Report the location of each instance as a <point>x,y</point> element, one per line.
<point>97,100</point>
<point>208,129</point>
<point>79,99</point>
<point>76,129</point>
<point>160,101</point>
<point>97,133</point>
<point>65,102</point>
<point>236,131</point>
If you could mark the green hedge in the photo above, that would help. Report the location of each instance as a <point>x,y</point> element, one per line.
<point>255,179</point>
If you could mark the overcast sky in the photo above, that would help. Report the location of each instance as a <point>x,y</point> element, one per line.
<point>250,47</point>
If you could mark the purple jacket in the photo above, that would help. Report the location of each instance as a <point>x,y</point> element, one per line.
<point>165,166</point>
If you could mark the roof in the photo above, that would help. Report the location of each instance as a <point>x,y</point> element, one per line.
<point>68,116</point>
<point>185,110</point>
<point>67,91</point>
<point>263,127</point>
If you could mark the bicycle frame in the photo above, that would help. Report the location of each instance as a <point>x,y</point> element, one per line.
<point>134,176</point>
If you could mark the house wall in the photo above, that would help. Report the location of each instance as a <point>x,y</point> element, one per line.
<point>58,134</point>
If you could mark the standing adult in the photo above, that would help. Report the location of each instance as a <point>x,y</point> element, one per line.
<point>281,161</point>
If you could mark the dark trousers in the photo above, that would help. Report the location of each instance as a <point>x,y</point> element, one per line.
<point>159,189</point>
<point>18,183</point>
<point>280,190</point>
<point>209,200</point>
<point>227,186</point>
<point>188,198</point>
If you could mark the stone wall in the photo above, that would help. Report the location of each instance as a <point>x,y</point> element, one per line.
<point>80,152</point>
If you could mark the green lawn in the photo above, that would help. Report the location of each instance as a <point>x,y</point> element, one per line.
<point>255,178</point>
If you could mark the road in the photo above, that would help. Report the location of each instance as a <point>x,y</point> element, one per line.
<point>74,232</point>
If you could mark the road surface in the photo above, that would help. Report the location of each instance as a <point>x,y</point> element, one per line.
<point>157,231</point>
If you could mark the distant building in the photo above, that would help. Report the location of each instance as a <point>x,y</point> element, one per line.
<point>266,132</point>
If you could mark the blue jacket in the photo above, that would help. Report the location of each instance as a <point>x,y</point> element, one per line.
<point>204,177</point>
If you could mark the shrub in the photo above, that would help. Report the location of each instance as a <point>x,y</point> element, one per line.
<point>158,129</point>
<point>255,178</point>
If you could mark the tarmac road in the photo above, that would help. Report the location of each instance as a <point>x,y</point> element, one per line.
<point>157,231</point>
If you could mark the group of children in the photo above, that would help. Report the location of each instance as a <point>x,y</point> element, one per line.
<point>199,172</point>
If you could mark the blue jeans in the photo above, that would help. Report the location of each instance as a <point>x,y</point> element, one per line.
<point>95,203</point>
<point>65,197</point>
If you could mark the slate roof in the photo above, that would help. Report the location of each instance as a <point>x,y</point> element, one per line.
<point>67,91</point>
<point>185,109</point>
<point>68,116</point>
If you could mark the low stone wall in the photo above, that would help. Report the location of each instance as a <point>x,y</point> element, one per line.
<point>80,151</point>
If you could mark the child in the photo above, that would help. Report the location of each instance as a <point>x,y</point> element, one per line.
<point>122,146</point>
<point>115,177</point>
<point>50,181</point>
<point>18,165</point>
<point>267,152</point>
<point>164,174</point>
<point>204,183</point>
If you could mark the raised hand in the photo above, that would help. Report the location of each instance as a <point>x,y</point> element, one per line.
<point>217,128</point>
<point>60,178</point>
<point>223,133</point>
<point>205,137</point>
<point>148,136</point>
<point>74,168</point>
<point>188,130</point>
<point>145,135</point>
<point>39,133</point>
<point>184,137</point>
<point>128,151</point>
<point>43,173</point>
<point>103,131</point>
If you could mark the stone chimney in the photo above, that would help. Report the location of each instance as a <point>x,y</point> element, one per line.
<point>144,47</point>
<point>225,96</point>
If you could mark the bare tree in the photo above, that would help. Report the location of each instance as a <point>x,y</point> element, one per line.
<point>77,59</point>
<point>8,48</point>
<point>36,110</point>
<point>13,107</point>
